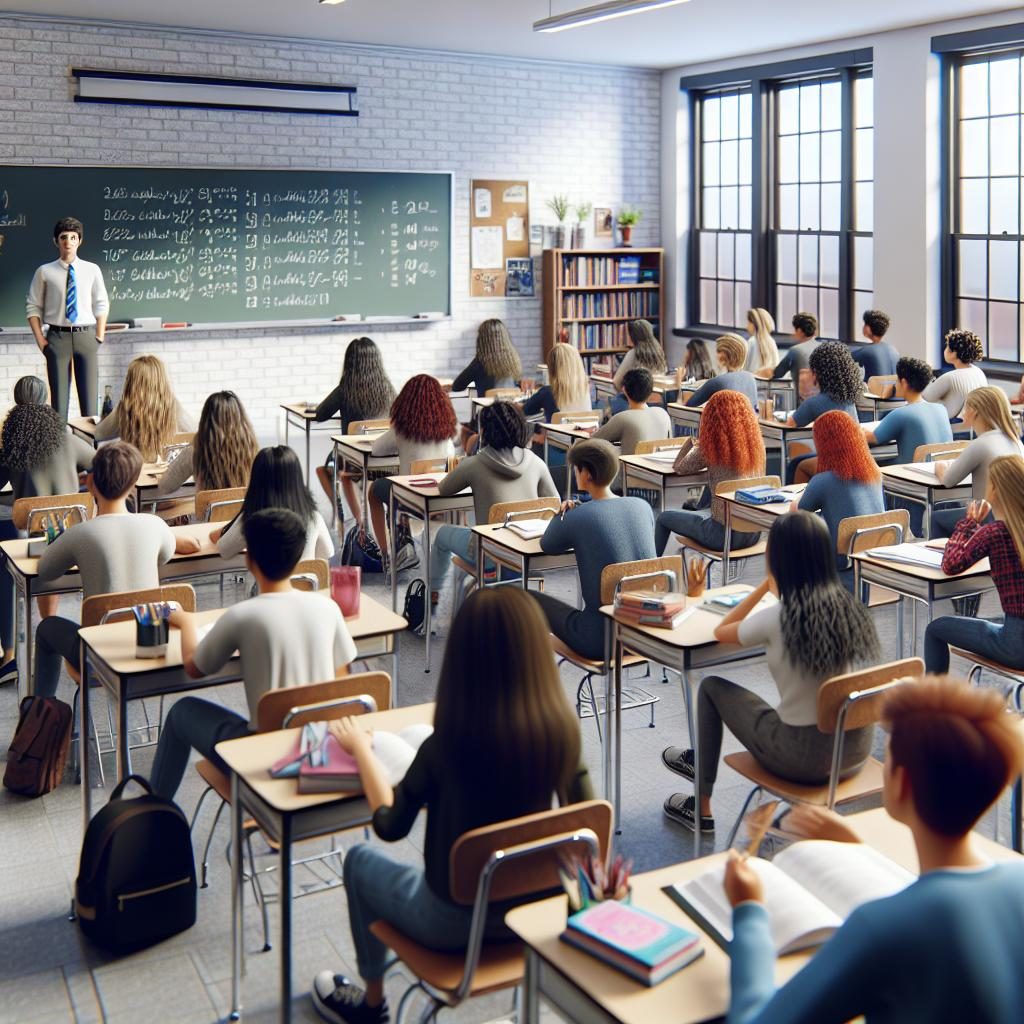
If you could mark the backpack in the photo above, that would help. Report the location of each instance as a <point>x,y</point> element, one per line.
<point>136,877</point>
<point>414,610</point>
<point>39,750</point>
<point>361,549</point>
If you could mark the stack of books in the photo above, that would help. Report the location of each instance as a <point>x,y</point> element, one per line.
<point>651,608</point>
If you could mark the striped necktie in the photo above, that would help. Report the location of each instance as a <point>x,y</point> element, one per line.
<point>71,300</point>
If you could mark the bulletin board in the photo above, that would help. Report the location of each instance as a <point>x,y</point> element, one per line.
<point>499,244</point>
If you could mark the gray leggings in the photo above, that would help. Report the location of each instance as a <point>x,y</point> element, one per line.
<point>799,753</point>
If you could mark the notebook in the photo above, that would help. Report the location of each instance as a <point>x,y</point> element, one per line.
<point>908,554</point>
<point>530,529</point>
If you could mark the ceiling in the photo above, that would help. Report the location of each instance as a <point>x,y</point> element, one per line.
<point>696,31</point>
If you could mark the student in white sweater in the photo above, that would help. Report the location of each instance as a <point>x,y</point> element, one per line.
<point>640,421</point>
<point>963,349</point>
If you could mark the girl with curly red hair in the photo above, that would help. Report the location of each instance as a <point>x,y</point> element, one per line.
<point>423,424</point>
<point>729,446</point>
<point>847,482</point>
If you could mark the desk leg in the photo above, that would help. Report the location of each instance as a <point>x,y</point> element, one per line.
<point>286,918</point>
<point>913,628</point>
<point>124,758</point>
<point>29,638</point>
<point>394,670</point>
<point>531,986</point>
<point>366,492</point>
<point>308,433</point>
<point>83,738</point>
<point>479,562</point>
<point>900,608</point>
<point>334,488</point>
<point>1016,808</point>
<point>237,903</point>
<point>426,574</point>
<point>390,539</point>
<point>726,544</point>
<point>619,655</point>
<point>691,721</point>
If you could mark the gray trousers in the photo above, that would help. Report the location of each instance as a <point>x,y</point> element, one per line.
<point>64,351</point>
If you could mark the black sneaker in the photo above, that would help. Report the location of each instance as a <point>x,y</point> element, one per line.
<point>342,1002</point>
<point>678,760</point>
<point>9,672</point>
<point>680,809</point>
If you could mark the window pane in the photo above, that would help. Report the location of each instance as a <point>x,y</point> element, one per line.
<point>973,148</point>
<point>710,171</point>
<point>864,206</point>
<point>864,101</point>
<point>1004,206</point>
<point>1004,85</point>
<point>808,300</point>
<point>786,257</point>
<point>1002,270</point>
<point>789,219</point>
<point>810,218</point>
<point>710,122</point>
<point>832,156</point>
<point>726,301</point>
<point>746,162</point>
<point>863,264</point>
<point>708,313</point>
<point>974,207</point>
<point>707,254</point>
<point>810,158</point>
<point>831,207</point>
<point>730,163</point>
<point>742,303</point>
<point>726,260</point>
<point>972,268</point>
<point>974,90</point>
<point>789,166</point>
<point>1005,145</point>
<point>745,128</point>
<point>789,100</point>
<point>972,317</point>
<point>831,106</point>
<point>864,155</point>
<point>730,208</point>
<point>1002,330</point>
<point>785,305</point>
<point>810,100</point>
<point>808,259</point>
<point>710,213</point>
<point>743,257</point>
<point>829,256</point>
<point>745,201</point>
<point>828,313</point>
<point>730,117</point>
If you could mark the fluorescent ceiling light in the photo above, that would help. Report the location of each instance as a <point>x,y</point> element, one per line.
<point>599,12</point>
<point>331,1</point>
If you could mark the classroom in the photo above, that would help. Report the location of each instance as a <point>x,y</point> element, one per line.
<point>512,512</point>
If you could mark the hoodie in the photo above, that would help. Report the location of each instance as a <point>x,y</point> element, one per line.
<point>499,474</point>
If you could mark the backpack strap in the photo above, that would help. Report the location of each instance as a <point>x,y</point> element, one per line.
<point>141,780</point>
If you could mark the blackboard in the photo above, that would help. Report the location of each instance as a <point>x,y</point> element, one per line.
<point>228,246</point>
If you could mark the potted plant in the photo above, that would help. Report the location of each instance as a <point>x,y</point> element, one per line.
<point>628,218</point>
<point>579,229</point>
<point>559,206</point>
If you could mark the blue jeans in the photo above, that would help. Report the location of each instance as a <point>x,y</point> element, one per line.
<point>449,540</point>
<point>7,638</point>
<point>1003,643</point>
<point>56,642</point>
<point>698,526</point>
<point>944,520</point>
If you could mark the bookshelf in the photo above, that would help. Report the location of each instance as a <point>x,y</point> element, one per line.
<point>592,294</point>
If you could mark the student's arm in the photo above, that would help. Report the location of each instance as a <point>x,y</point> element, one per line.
<point>385,444</point>
<point>806,412</point>
<point>186,624</point>
<point>230,540</point>
<point>612,430</point>
<point>783,367</point>
<point>689,461</point>
<point>810,500</point>
<point>461,476</point>
<point>172,543</point>
<point>359,743</point>
<point>728,630</point>
<point>970,541</point>
<point>394,820</point>
<point>545,485</point>
<point>936,391</point>
<point>467,377</point>
<point>82,452</point>
<point>559,535</point>
<point>967,461</point>
<point>703,393</point>
<point>58,557</point>
<point>176,474</point>
<point>324,547</point>
<point>109,427</point>
<point>537,402</point>
<point>330,406</point>
<point>627,364</point>
<point>344,646</point>
<point>888,429</point>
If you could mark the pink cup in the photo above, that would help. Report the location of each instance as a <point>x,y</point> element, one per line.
<point>345,584</point>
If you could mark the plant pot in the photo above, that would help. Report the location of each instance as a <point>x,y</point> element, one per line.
<point>626,230</point>
<point>579,236</point>
<point>558,236</point>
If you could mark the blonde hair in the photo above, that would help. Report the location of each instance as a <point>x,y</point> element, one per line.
<point>147,413</point>
<point>569,381</point>
<point>992,405</point>
<point>496,352</point>
<point>734,349</point>
<point>764,325</point>
<point>225,444</point>
<point>1006,478</point>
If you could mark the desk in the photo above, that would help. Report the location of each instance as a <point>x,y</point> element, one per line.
<point>876,405</point>
<point>686,417</point>
<point>563,436</point>
<point>902,482</point>
<point>506,548</point>
<point>84,427</point>
<point>149,481</point>
<point>604,387</point>
<point>422,502</point>
<point>582,989</point>
<point>285,816</point>
<point>354,450</point>
<point>299,414</point>
<point>784,388</point>
<point>645,473</point>
<point>763,516</point>
<point>778,435</point>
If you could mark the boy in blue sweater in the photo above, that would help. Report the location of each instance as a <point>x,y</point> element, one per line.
<point>947,948</point>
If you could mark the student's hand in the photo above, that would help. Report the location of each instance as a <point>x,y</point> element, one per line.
<point>186,545</point>
<point>566,506</point>
<point>178,617</point>
<point>940,470</point>
<point>351,738</point>
<point>215,535</point>
<point>811,822</point>
<point>742,884</point>
<point>794,505</point>
<point>979,510</point>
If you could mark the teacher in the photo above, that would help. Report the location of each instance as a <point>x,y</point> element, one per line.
<point>69,296</point>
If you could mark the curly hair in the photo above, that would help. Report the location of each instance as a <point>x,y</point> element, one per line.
<point>648,354</point>
<point>876,322</point>
<point>842,450</point>
<point>31,434</point>
<point>838,375</point>
<point>422,411</point>
<point>225,444</point>
<point>965,345</point>
<point>734,350</point>
<point>916,373</point>
<point>147,413</point>
<point>807,323</point>
<point>366,391</point>
<point>503,425</point>
<point>729,435</point>
<point>496,352</point>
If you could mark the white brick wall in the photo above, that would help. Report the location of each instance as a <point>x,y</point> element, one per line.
<point>588,131</point>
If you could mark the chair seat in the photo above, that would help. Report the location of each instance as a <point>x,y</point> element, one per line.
<point>563,650</point>
<point>879,597</point>
<point>867,782</point>
<point>221,785</point>
<point>500,966</point>
<point>167,510</point>
<point>994,666</point>
<point>460,563</point>
<point>716,556</point>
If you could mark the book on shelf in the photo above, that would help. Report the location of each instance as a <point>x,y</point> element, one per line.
<point>908,554</point>
<point>810,888</point>
<point>636,942</point>
<point>629,270</point>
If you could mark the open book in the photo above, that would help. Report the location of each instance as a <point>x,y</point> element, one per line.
<point>810,888</point>
<point>926,471</point>
<point>665,456</point>
<point>909,554</point>
<point>529,529</point>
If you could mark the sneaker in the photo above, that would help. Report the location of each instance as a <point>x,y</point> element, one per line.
<point>9,672</point>
<point>680,809</point>
<point>678,760</point>
<point>339,1000</point>
<point>406,558</point>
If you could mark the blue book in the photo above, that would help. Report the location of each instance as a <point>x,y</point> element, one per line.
<point>629,270</point>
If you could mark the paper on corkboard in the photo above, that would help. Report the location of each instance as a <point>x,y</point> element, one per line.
<point>505,208</point>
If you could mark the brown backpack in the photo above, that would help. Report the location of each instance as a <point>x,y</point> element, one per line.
<point>39,750</point>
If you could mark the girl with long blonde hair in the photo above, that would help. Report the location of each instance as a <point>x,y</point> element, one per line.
<point>568,387</point>
<point>147,415</point>
<point>762,352</point>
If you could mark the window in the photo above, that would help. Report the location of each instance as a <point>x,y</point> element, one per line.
<point>862,272</point>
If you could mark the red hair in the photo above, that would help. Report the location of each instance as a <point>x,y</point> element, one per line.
<point>422,411</point>
<point>842,449</point>
<point>729,434</point>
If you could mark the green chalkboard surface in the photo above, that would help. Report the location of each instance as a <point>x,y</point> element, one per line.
<point>228,246</point>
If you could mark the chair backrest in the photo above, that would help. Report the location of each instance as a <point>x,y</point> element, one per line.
<point>428,466</point>
<point>858,533</point>
<point>503,394</point>
<point>171,451</point>
<point>501,509</point>
<point>611,574</point>
<point>220,505</point>
<point>834,693</point>
<point>880,382</point>
<point>116,607</point>
<point>577,417</point>
<point>929,452</point>
<point>26,509</point>
<point>366,426</point>
<point>321,702</point>
<point>659,445</point>
<point>729,486</point>
<point>311,574</point>
<point>183,437</point>
<point>525,871</point>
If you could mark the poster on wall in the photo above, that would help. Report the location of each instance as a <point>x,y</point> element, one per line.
<point>499,226</point>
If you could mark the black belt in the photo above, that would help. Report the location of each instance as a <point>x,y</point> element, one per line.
<point>72,330</point>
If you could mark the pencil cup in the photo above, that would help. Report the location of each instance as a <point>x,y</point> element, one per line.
<point>628,899</point>
<point>346,581</point>
<point>151,639</point>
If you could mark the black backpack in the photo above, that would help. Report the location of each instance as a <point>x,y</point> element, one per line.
<point>361,549</point>
<point>414,611</point>
<point>136,877</point>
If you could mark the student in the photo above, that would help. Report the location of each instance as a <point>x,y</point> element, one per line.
<point>422,425</point>
<point>222,451</point>
<point>987,413</point>
<point>147,415</point>
<point>115,551</point>
<point>364,392</point>
<point>644,353</point>
<point>840,382</point>
<point>284,637</point>
<point>877,357</point>
<point>496,363</point>
<point>916,423</point>
<point>697,363</point>
<point>639,421</point>
<point>814,631</point>
<point>497,752</point>
<point>731,350</point>
<point>504,469</point>
<point>37,457</point>
<point>568,388</point>
<point>797,357</point>
<point>276,481</point>
<point>762,351</point>
<point>730,447</point>
<point>963,349</point>
<point>602,531</point>
<point>947,948</point>
<point>1002,542</point>
<point>847,481</point>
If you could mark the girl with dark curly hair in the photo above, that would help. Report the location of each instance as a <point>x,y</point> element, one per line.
<point>963,349</point>
<point>840,382</point>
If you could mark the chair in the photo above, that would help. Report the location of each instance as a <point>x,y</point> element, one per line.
<point>577,417</point>
<point>312,574</point>
<point>503,394</point>
<point>979,664</point>
<point>26,512</point>
<point>219,506</point>
<point>659,445</point>
<point>879,529</point>
<point>932,452</point>
<point>428,466</point>
<point>511,860</point>
<point>880,383</point>
<point>845,702</point>
<point>368,426</point>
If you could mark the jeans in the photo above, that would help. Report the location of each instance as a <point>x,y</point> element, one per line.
<point>449,540</point>
<point>698,526</point>
<point>56,641</point>
<point>7,638</point>
<point>192,722</point>
<point>944,520</point>
<point>1000,642</point>
<point>583,631</point>
<point>799,753</point>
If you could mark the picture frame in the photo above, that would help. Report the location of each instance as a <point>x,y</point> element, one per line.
<point>604,222</point>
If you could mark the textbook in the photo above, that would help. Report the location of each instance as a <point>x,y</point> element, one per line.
<point>652,608</point>
<point>909,554</point>
<point>665,455</point>
<point>529,529</point>
<point>810,888</point>
<point>765,494</point>
<point>636,942</point>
